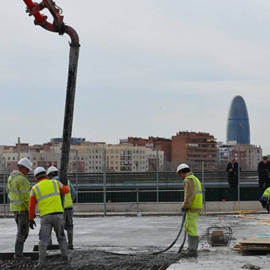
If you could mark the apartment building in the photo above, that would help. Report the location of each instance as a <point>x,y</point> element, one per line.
<point>86,157</point>
<point>161,144</point>
<point>249,155</point>
<point>195,148</point>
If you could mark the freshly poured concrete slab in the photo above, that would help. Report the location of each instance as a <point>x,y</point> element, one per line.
<point>146,234</point>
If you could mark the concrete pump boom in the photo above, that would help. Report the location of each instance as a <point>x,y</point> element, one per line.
<point>59,27</point>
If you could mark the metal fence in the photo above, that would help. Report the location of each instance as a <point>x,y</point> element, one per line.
<point>148,186</point>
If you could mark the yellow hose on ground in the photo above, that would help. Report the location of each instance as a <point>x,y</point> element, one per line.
<point>245,212</point>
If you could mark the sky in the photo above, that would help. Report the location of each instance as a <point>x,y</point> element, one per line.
<point>146,68</point>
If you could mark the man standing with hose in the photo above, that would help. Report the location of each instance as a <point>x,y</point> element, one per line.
<point>192,205</point>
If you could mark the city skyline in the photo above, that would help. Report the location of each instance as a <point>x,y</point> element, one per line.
<point>136,154</point>
<point>146,68</point>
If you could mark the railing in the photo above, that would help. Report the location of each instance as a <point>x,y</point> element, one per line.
<point>144,187</point>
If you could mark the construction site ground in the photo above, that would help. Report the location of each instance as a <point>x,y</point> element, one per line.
<point>96,239</point>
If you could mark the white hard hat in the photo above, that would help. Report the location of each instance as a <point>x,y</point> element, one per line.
<point>39,170</point>
<point>52,169</point>
<point>181,167</point>
<point>25,162</point>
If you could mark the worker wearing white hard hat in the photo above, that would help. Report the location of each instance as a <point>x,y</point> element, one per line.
<point>46,193</point>
<point>18,189</point>
<point>192,207</point>
<point>25,162</point>
<point>52,173</point>
<point>181,167</point>
<point>38,172</point>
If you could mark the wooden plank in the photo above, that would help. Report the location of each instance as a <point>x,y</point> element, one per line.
<point>255,247</point>
<point>4,256</point>
<point>255,252</point>
<point>257,241</point>
<point>236,248</point>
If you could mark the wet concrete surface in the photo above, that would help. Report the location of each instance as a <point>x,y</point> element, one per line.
<point>99,260</point>
<point>136,237</point>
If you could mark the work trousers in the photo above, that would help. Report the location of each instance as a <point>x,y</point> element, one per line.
<point>21,219</point>
<point>68,219</point>
<point>264,180</point>
<point>191,223</point>
<point>48,222</point>
<point>233,180</point>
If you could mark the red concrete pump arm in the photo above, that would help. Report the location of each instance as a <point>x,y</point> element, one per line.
<point>57,26</point>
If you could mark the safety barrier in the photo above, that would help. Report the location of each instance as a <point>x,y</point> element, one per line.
<point>136,200</point>
<point>140,188</point>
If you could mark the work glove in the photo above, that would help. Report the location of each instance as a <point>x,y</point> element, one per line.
<point>264,204</point>
<point>264,201</point>
<point>32,224</point>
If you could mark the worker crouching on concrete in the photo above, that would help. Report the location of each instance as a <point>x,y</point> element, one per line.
<point>52,173</point>
<point>265,199</point>
<point>18,189</point>
<point>192,205</point>
<point>46,193</point>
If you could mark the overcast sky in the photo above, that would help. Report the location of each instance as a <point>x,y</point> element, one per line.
<point>146,68</point>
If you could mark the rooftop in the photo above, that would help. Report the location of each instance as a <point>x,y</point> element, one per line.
<point>145,234</point>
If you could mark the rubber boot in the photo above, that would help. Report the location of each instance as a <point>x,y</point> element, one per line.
<point>70,239</point>
<point>64,252</point>
<point>42,256</point>
<point>18,256</point>
<point>193,242</point>
<point>193,246</point>
<point>184,252</point>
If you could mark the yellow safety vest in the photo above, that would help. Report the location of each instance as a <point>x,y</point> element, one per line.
<point>18,188</point>
<point>68,199</point>
<point>197,202</point>
<point>267,193</point>
<point>47,193</point>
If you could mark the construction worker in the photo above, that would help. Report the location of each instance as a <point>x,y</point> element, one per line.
<point>46,193</point>
<point>265,199</point>
<point>264,170</point>
<point>232,170</point>
<point>52,173</point>
<point>18,189</point>
<point>192,206</point>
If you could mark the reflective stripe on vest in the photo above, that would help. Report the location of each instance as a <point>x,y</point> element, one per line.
<point>19,199</point>
<point>68,199</point>
<point>19,191</point>
<point>267,193</point>
<point>55,193</point>
<point>47,194</point>
<point>16,201</point>
<point>197,202</point>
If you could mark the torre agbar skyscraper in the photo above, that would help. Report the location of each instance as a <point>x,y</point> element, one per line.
<point>238,122</point>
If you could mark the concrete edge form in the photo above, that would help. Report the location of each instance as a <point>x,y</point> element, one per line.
<point>161,208</point>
